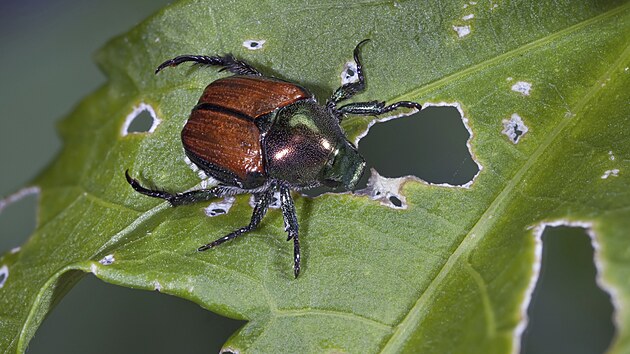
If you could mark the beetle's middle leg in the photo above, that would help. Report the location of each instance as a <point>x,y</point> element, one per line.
<point>375,107</point>
<point>262,204</point>
<point>178,199</point>
<point>291,225</point>
<point>228,62</point>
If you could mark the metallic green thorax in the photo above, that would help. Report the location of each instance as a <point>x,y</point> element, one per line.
<point>306,147</point>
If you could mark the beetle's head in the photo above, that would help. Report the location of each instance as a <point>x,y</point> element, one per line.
<point>344,168</point>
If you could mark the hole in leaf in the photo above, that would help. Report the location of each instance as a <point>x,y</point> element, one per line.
<point>220,207</point>
<point>94,312</point>
<point>141,120</point>
<point>141,123</point>
<point>17,218</point>
<point>514,128</point>
<point>349,73</point>
<point>568,313</point>
<point>430,144</point>
<point>395,201</point>
<point>254,44</point>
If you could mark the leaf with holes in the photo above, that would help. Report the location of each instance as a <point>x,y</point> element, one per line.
<point>544,88</point>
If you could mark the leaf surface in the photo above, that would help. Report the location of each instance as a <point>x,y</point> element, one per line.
<point>448,274</point>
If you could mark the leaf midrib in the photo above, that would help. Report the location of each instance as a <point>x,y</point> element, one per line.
<point>405,328</point>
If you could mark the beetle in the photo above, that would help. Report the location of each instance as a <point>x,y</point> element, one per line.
<point>258,134</point>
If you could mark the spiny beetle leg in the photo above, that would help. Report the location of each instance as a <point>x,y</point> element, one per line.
<point>228,62</point>
<point>375,107</point>
<point>291,225</point>
<point>179,198</point>
<point>262,204</point>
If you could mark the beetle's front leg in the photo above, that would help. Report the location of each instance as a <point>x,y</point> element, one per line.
<point>375,107</point>
<point>291,225</point>
<point>350,89</point>
<point>178,199</point>
<point>262,204</point>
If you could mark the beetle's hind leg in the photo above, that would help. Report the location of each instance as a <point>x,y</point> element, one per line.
<point>178,199</point>
<point>228,62</point>
<point>375,107</point>
<point>262,204</point>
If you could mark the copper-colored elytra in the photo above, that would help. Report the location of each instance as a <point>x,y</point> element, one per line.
<point>225,140</point>
<point>253,96</point>
<point>221,129</point>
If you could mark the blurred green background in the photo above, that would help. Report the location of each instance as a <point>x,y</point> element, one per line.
<point>46,54</point>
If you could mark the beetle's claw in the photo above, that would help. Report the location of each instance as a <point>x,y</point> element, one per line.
<point>296,269</point>
<point>134,183</point>
<point>165,64</point>
<point>128,177</point>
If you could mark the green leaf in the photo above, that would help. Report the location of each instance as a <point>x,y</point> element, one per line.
<point>450,273</point>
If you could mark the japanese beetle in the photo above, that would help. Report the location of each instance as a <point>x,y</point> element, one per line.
<point>258,134</point>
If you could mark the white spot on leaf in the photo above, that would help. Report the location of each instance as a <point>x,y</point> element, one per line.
<point>107,260</point>
<point>514,128</point>
<point>468,17</point>
<point>611,156</point>
<point>254,44</point>
<point>386,190</point>
<point>220,208</point>
<point>462,31</point>
<point>614,173</point>
<point>157,286</point>
<point>15,250</point>
<point>349,73</point>
<point>522,87</point>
